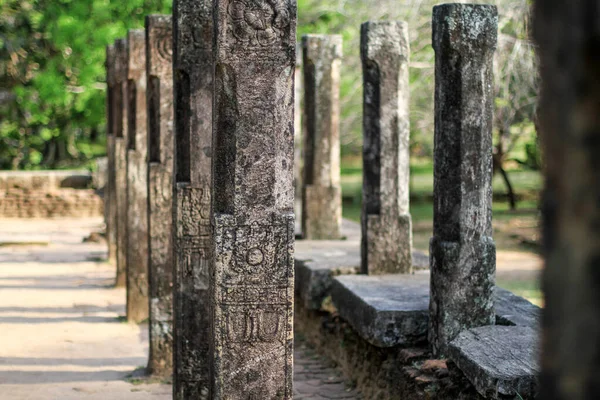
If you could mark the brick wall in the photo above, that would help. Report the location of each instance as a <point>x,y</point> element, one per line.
<point>48,194</point>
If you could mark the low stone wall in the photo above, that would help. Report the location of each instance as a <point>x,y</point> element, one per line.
<point>44,180</point>
<point>48,194</point>
<point>408,373</point>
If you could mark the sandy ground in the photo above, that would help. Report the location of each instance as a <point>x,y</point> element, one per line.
<point>60,333</point>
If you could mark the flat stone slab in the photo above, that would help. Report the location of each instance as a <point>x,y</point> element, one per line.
<point>390,310</point>
<point>515,310</point>
<point>317,262</point>
<point>385,310</point>
<point>499,360</point>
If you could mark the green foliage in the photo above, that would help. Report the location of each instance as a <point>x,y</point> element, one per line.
<point>52,75</point>
<point>52,65</point>
<point>515,66</point>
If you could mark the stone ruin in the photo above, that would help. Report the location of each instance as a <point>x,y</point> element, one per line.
<point>202,177</point>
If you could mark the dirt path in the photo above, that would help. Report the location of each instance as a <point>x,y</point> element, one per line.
<point>61,335</point>
<point>60,332</point>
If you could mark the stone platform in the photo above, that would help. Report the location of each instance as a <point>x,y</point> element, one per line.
<point>390,310</point>
<point>499,360</point>
<point>393,310</point>
<point>317,262</point>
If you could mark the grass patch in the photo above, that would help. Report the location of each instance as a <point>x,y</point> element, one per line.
<point>527,288</point>
<point>526,183</point>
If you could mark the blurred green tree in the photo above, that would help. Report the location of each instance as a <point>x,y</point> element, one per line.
<point>52,76</point>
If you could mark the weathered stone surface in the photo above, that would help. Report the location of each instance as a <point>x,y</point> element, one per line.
<point>514,310</point>
<point>159,72</point>
<point>462,252</point>
<point>253,200</point>
<point>193,80</point>
<point>569,128</point>
<point>385,310</point>
<point>110,194</point>
<point>318,262</point>
<point>389,310</point>
<point>386,245</point>
<point>120,115</point>
<point>137,175</point>
<point>321,193</point>
<point>499,360</point>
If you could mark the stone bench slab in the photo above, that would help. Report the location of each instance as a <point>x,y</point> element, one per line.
<point>499,360</point>
<point>318,262</point>
<point>390,310</point>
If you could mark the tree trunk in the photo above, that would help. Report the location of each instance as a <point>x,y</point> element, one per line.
<point>498,159</point>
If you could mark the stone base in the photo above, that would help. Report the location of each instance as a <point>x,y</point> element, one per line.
<point>499,360</point>
<point>386,248</point>
<point>390,310</point>
<point>252,298</point>
<point>322,213</point>
<point>462,282</point>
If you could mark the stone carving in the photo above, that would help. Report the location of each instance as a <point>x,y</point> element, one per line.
<point>254,306</point>
<point>160,191</point>
<point>462,251</point>
<point>251,283</point>
<point>258,22</point>
<point>386,245</point>
<point>192,316</point>
<point>120,116</point>
<point>321,195</point>
<point>137,198</point>
<point>193,91</point>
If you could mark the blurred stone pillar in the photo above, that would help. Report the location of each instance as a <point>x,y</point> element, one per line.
<point>568,36</point>
<point>110,194</point>
<point>298,88</point>
<point>159,71</point>
<point>322,193</point>
<point>193,91</point>
<point>386,244</point>
<point>120,115</point>
<point>137,175</point>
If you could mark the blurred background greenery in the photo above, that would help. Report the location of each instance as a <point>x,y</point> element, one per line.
<point>52,96</point>
<point>53,78</point>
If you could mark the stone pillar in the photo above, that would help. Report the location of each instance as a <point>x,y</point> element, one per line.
<point>193,91</point>
<point>137,175</point>
<point>159,71</point>
<point>386,245</point>
<point>110,194</point>
<point>253,200</point>
<point>120,115</point>
<point>298,135</point>
<point>322,193</point>
<point>462,251</point>
<point>567,35</point>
